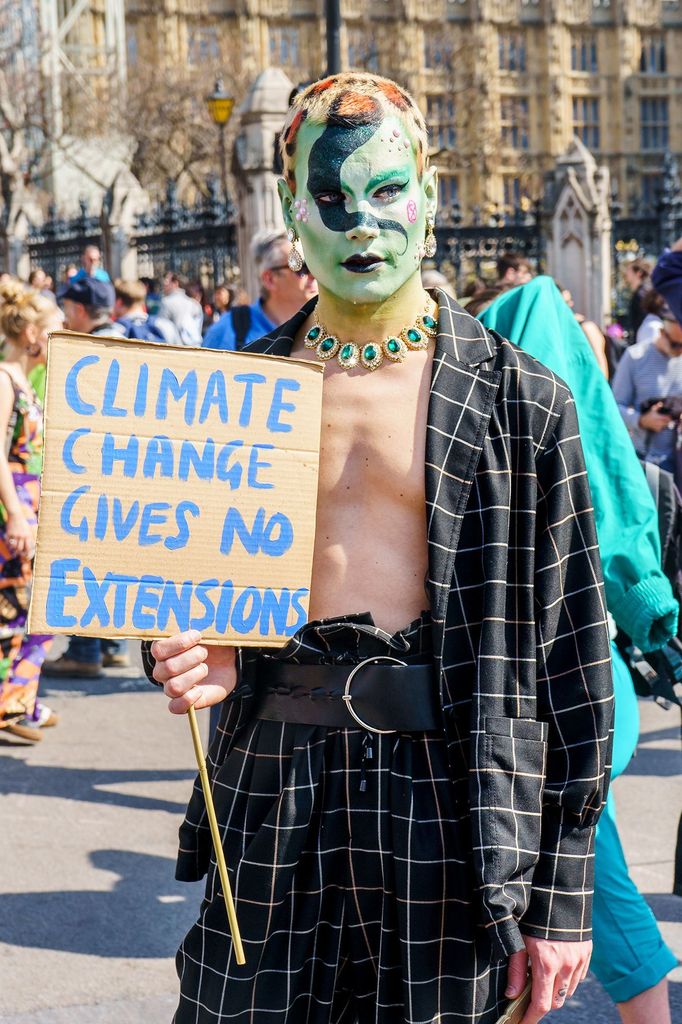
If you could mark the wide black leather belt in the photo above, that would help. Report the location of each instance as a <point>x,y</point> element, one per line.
<point>380,694</point>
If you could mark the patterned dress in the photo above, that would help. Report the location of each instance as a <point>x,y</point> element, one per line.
<point>21,655</point>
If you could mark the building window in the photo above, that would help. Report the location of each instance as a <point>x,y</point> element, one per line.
<point>440,117</point>
<point>284,45</point>
<point>654,124</point>
<point>448,191</point>
<point>651,190</point>
<point>362,51</point>
<point>652,59</point>
<point>437,49</point>
<point>584,52</point>
<point>515,192</point>
<point>514,119</point>
<point>202,45</point>
<point>586,120</point>
<point>512,51</point>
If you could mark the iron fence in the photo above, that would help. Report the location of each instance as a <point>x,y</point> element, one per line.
<point>197,240</point>
<point>465,250</point>
<point>59,242</point>
<point>646,233</point>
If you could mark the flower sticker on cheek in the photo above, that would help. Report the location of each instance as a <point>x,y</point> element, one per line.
<point>412,211</point>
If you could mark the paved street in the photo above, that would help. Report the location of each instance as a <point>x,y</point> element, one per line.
<point>90,915</point>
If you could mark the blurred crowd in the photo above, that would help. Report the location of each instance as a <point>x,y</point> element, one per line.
<point>618,377</point>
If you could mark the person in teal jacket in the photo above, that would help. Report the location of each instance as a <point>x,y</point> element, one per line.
<point>630,957</point>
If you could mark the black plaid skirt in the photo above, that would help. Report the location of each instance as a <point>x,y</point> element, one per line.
<point>350,864</point>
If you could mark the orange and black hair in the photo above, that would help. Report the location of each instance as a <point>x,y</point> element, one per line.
<point>351,99</point>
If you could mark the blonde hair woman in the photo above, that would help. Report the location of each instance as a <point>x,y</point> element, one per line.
<point>26,318</point>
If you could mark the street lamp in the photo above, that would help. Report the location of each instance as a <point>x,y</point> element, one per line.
<point>220,105</point>
<point>333,19</point>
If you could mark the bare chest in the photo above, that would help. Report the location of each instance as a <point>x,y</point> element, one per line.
<point>370,542</point>
<point>374,433</point>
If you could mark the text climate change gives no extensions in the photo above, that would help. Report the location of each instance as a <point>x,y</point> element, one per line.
<point>241,400</point>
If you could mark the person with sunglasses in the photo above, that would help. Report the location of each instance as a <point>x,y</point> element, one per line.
<point>647,372</point>
<point>283,292</point>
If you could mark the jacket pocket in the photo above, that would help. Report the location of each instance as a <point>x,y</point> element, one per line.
<point>515,751</point>
<point>511,778</point>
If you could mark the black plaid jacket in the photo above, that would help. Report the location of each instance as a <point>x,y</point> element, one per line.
<point>521,647</point>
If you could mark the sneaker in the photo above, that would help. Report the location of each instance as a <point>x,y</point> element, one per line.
<point>25,728</point>
<point>70,667</point>
<point>44,717</point>
<point>115,661</point>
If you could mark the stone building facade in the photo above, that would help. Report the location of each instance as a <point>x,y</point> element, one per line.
<point>506,84</point>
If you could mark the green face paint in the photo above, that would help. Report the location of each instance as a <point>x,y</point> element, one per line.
<point>366,208</point>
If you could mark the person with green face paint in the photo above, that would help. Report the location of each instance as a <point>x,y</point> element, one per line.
<point>407,791</point>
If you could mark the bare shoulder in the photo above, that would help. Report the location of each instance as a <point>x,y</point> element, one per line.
<point>7,386</point>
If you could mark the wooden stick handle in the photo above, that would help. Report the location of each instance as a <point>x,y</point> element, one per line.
<point>215,835</point>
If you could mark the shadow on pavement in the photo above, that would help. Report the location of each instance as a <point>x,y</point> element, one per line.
<point>113,681</point>
<point>655,736</point>
<point>655,762</point>
<point>21,776</point>
<point>132,920</point>
<point>666,906</point>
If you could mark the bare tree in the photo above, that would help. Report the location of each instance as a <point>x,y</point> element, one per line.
<point>21,105</point>
<point>168,124</point>
<point>160,117</point>
<point>30,134</point>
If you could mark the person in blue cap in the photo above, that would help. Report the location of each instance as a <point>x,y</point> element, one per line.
<point>88,305</point>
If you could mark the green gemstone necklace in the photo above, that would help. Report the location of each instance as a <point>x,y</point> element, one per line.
<point>370,354</point>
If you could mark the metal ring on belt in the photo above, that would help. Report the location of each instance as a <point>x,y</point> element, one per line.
<point>395,695</point>
<point>347,694</point>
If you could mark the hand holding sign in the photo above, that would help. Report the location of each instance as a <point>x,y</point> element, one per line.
<point>193,675</point>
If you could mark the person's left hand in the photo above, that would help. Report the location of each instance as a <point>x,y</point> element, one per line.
<point>557,969</point>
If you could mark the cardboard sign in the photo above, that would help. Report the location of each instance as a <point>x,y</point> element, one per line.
<point>179,491</point>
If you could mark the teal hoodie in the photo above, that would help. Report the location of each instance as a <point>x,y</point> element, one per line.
<point>638,595</point>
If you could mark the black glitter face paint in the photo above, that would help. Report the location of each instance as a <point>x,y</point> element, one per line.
<point>327,156</point>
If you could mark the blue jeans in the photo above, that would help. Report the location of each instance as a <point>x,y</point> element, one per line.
<point>90,648</point>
